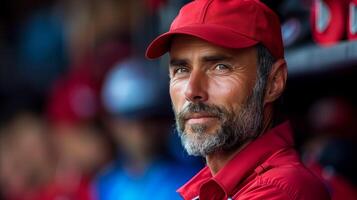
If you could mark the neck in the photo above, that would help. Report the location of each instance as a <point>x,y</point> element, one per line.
<point>217,160</point>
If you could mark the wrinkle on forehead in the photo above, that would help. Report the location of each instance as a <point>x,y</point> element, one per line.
<point>188,48</point>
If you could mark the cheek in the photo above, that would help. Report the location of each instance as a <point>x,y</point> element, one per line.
<point>177,94</point>
<point>229,92</point>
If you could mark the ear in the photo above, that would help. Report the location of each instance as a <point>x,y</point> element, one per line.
<point>276,81</point>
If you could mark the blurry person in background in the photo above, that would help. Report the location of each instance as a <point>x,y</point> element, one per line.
<point>82,148</point>
<point>55,160</point>
<point>26,157</point>
<point>331,151</point>
<point>74,108</point>
<point>136,99</point>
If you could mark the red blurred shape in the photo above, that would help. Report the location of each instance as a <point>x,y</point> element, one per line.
<point>328,21</point>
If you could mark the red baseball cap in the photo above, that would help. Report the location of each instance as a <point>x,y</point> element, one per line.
<point>226,23</point>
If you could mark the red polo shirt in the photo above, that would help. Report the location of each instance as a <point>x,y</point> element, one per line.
<point>267,168</point>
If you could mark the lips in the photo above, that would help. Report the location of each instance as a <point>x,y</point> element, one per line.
<point>199,118</point>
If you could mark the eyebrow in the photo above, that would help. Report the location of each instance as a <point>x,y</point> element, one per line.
<point>209,58</point>
<point>216,58</point>
<point>177,62</point>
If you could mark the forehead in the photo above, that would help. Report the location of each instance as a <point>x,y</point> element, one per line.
<point>186,46</point>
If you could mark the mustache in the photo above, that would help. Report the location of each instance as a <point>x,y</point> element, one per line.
<point>191,108</point>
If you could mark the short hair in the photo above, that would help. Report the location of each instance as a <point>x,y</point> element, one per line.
<point>265,63</point>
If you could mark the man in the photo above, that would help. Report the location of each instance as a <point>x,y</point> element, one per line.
<point>227,70</point>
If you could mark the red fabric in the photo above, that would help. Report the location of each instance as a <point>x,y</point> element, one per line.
<point>268,168</point>
<point>230,24</point>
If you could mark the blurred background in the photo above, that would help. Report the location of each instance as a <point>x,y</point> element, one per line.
<point>83,115</point>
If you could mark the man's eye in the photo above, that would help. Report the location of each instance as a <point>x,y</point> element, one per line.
<point>180,70</point>
<point>222,67</point>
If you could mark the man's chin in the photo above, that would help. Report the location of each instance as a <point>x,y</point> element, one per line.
<point>199,141</point>
<point>198,146</point>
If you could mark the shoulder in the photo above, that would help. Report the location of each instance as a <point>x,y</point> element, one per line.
<point>287,182</point>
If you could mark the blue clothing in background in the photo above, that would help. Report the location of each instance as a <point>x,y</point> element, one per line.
<point>159,182</point>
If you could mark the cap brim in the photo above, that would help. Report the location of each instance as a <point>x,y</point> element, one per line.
<point>214,34</point>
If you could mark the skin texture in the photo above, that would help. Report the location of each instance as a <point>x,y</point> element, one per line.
<point>203,72</point>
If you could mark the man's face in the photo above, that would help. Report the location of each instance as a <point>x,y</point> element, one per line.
<point>212,95</point>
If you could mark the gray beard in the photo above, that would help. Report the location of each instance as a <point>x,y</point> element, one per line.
<point>236,127</point>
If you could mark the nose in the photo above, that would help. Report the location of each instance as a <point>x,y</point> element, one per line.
<point>196,88</point>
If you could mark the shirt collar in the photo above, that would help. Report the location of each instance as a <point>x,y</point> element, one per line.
<point>243,163</point>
